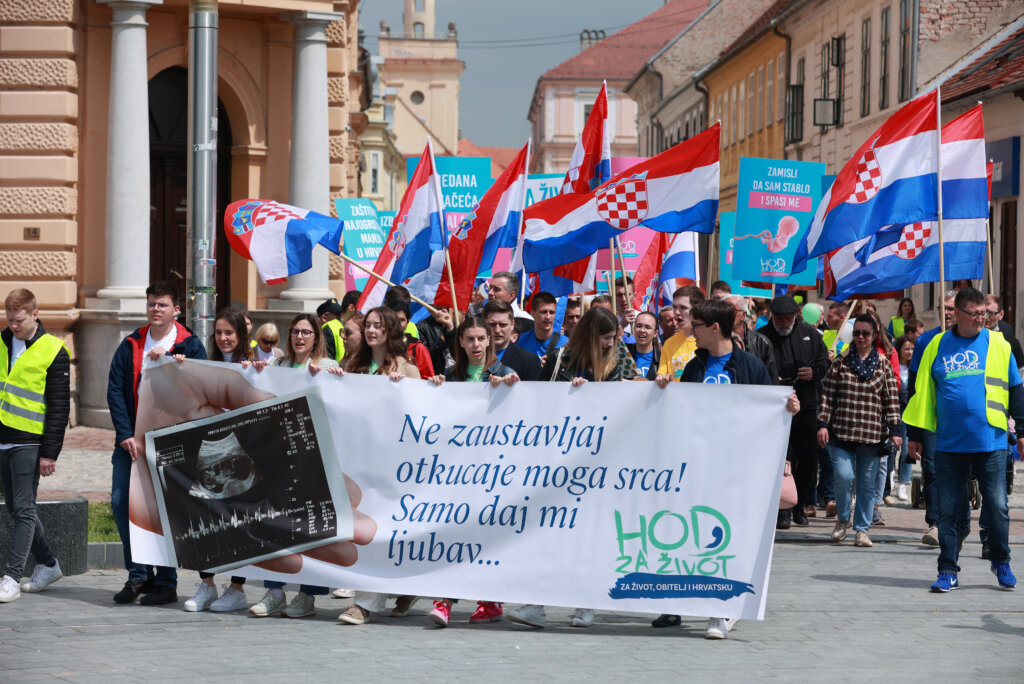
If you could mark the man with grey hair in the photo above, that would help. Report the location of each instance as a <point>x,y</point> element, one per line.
<point>505,286</point>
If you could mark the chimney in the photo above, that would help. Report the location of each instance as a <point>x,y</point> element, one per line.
<point>589,37</point>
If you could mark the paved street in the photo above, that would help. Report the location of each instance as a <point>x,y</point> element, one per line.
<point>834,612</point>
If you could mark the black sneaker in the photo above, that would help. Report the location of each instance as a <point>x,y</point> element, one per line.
<point>785,519</point>
<point>131,591</point>
<point>159,596</point>
<point>984,550</point>
<point>800,517</point>
<point>666,620</point>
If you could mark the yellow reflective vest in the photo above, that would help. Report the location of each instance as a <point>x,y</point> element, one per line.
<point>23,389</point>
<point>920,411</point>
<point>337,329</point>
<point>897,323</point>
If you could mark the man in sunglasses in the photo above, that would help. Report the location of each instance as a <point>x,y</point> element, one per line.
<point>966,385</point>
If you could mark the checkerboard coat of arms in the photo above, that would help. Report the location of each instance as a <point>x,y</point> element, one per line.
<point>623,204</point>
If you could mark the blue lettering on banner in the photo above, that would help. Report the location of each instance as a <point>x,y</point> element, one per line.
<point>651,586</point>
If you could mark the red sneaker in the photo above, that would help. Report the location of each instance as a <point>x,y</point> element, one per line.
<point>441,612</point>
<point>486,611</point>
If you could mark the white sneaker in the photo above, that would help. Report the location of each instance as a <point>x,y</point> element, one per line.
<point>581,617</point>
<point>42,577</point>
<point>272,602</point>
<point>718,628</point>
<point>931,537</point>
<point>343,593</point>
<point>901,492</point>
<point>231,599</point>
<point>301,606</point>
<point>201,600</point>
<point>9,590</point>
<point>531,615</point>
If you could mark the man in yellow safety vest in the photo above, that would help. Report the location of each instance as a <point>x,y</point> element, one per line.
<point>35,399</point>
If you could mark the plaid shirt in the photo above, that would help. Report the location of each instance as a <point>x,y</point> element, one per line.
<point>856,410</point>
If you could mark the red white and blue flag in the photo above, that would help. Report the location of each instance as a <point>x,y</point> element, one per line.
<point>279,238</point>
<point>417,232</point>
<point>674,191</point>
<point>897,257</point>
<point>669,263</point>
<point>892,180</point>
<point>494,222</point>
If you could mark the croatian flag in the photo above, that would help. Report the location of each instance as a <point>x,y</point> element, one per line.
<point>418,230</point>
<point>679,267</point>
<point>589,167</point>
<point>645,278</point>
<point>900,256</point>
<point>674,191</point>
<point>493,223</point>
<point>891,180</point>
<point>279,238</point>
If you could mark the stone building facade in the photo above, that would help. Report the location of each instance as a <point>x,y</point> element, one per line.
<point>92,153</point>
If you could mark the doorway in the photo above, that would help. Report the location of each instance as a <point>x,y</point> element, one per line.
<point>168,148</point>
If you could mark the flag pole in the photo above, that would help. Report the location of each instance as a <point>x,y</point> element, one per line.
<point>622,265</point>
<point>711,258</point>
<point>988,258</point>
<point>942,247</point>
<point>444,230</point>
<point>522,219</point>
<point>611,275</point>
<point>387,282</point>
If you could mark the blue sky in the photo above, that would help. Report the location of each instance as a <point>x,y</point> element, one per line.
<point>506,46</point>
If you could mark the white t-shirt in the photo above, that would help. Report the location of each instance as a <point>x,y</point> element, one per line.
<point>167,342</point>
<point>17,349</point>
<point>264,356</point>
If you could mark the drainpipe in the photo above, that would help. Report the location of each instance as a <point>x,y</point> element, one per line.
<point>785,114</point>
<point>707,102</point>
<point>661,94</point>
<point>915,37</point>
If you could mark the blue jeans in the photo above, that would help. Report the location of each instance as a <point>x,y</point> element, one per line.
<point>19,476</point>
<point>861,461</point>
<point>306,589</point>
<point>122,472</point>
<point>952,471</point>
<point>826,482</point>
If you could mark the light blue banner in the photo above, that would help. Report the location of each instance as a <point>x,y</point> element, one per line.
<point>464,180</point>
<point>726,231</point>
<point>775,203</point>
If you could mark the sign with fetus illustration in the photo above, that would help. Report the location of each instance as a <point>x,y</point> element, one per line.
<point>249,485</point>
<point>775,202</point>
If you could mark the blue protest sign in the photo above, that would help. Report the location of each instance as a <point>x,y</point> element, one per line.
<point>775,203</point>
<point>464,180</point>
<point>726,233</point>
<point>362,237</point>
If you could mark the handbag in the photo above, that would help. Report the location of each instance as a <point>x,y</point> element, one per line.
<point>787,494</point>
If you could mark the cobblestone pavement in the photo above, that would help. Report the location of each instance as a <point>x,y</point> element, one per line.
<point>834,613</point>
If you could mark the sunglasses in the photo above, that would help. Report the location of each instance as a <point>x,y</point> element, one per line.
<point>862,333</point>
<point>266,341</point>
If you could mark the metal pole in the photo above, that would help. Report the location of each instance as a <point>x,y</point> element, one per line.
<point>942,245</point>
<point>202,166</point>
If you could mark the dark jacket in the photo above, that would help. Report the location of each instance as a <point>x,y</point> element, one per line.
<point>652,372</point>
<point>496,368</point>
<point>525,364</point>
<point>436,339</point>
<point>746,368</point>
<point>567,373</point>
<point>58,402</point>
<point>802,347</point>
<point>125,369</point>
<point>760,346</point>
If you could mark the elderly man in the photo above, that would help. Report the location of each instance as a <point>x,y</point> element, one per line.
<point>802,361</point>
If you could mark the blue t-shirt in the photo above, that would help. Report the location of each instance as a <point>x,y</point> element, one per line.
<point>919,347</point>
<point>959,374</point>
<point>715,373</point>
<point>500,352</point>
<point>643,362</point>
<point>528,341</point>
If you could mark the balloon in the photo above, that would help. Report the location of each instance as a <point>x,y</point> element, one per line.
<point>812,313</point>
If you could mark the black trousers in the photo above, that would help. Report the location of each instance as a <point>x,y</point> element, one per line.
<point>803,455</point>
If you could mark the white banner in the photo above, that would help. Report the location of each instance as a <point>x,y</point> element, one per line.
<point>616,496</point>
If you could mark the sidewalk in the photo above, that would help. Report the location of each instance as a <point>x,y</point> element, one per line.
<point>834,613</point>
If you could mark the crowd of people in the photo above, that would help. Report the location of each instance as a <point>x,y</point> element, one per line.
<point>868,400</point>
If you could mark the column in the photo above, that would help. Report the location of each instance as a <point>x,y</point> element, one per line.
<point>128,219</point>
<point>309,181</point>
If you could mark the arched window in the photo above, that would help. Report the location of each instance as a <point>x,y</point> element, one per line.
<point>417,30</point>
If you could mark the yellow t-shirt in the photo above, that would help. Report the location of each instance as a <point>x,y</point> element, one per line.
<point>676,353</point>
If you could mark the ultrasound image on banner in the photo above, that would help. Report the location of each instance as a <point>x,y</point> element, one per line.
<point>249,485</point>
